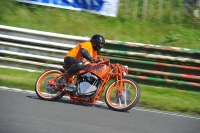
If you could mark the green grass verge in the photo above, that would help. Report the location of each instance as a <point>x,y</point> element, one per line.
<point>167,99</point>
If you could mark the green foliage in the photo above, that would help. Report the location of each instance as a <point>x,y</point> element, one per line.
<point>170,38</point>
<point>128,26</point>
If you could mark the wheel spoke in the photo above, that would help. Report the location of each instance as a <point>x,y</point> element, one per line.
<point>120,103</point>
<point>125,102</point>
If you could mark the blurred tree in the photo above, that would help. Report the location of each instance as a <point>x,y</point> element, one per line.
<point>144,9</point>
<point>190,6</point>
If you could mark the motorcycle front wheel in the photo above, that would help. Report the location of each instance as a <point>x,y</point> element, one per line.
<point>47,87</point>
<point>125,101</point>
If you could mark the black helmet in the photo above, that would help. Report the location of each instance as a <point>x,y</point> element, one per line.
<point>97,42</point>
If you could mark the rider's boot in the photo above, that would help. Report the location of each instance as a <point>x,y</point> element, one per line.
<point>63,82</point>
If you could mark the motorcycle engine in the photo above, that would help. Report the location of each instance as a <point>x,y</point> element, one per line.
<point>88,84</point>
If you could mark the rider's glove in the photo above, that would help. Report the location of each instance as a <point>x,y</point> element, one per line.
<point>95,60</point>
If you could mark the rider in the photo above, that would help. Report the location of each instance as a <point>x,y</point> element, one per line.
<point>86,51</point>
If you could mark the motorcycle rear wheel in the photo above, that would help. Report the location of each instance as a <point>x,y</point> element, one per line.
<point>125,101</point>
<point>49,91</point>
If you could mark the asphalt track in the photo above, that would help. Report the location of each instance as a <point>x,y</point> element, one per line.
<point>22,112</point>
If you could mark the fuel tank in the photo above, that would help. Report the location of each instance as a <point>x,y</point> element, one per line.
<point>101,70</point>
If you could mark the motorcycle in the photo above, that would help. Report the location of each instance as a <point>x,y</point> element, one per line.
<point>121,94</point>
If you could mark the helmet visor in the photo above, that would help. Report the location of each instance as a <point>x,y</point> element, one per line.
<point>99,45</point>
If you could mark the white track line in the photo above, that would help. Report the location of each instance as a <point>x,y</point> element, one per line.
<point>100,102</point>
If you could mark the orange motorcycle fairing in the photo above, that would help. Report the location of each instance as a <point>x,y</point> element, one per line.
<point>101,70</point>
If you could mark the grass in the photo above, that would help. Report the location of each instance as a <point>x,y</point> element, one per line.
<point>170,99</point>
<point>167,99</point>
<point>120,28</point>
